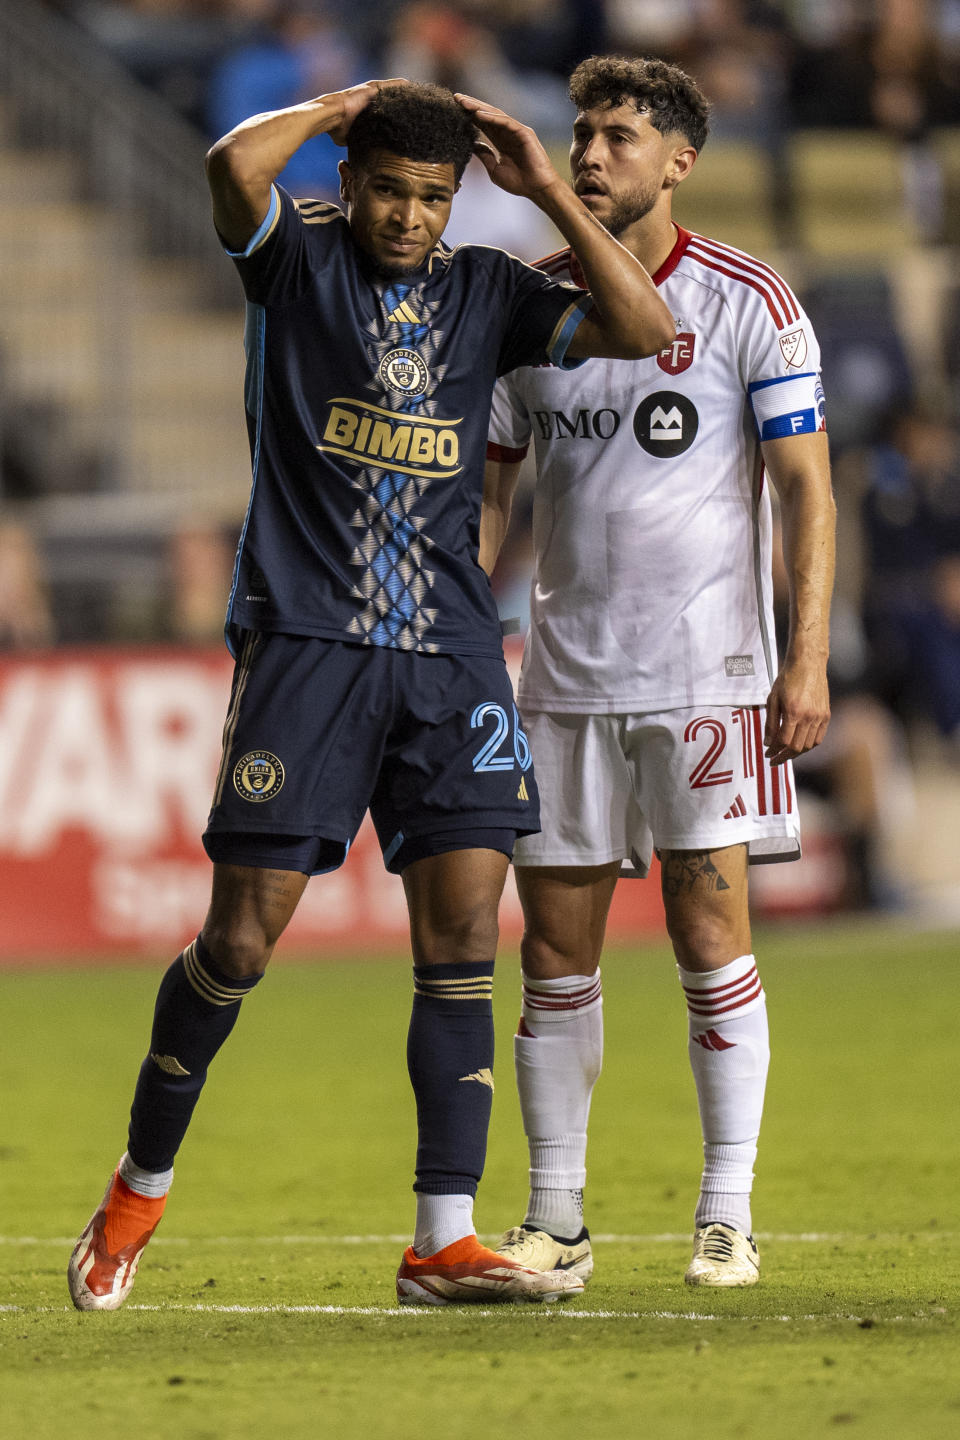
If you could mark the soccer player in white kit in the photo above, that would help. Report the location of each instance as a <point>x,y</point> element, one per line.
<point>657,711</point>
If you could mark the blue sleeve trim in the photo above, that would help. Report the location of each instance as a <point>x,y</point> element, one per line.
<point>262,230</point>
<point>565,333</point>
<point>801,422</point>
<point>780,380</point>
<point>254,343</point>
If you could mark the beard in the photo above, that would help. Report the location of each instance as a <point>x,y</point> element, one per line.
<point>388,267</point>
<point>628,208</point>
<point>394,270</point>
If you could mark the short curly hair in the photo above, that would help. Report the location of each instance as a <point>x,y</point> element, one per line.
<point>673,99</point>
<point>419,122</point>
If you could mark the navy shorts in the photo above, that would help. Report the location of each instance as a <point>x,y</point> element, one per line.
<point>319,731</point>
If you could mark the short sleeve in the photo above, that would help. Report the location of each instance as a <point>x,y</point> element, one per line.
<point>544,316</point>
<point>288,249</point>
<point>781,361</point>
<point>508,437</point>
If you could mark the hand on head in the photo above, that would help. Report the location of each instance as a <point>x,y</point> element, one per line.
<point>511,153</point>
<point>355,99</point>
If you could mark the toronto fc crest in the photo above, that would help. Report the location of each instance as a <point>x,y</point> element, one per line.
<point>678,355</point>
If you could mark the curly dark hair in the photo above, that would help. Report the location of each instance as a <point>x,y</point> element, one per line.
<point>673,99</point>
<point>419,122</point>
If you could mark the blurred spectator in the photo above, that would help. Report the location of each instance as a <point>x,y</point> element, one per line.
<point>900,105</point>
<point>169,45</point>
<point>831,71</point>
<point>861,769</point>
<point>910,514</point>
<point>658,27</point>
<point>950,309</point>
<point>740,54</point>
<point>440,42</point>
<point>297,51</point>
<point>25,617</point>
<point>865,363</point>
<point>548,35</point>
<point>933,636</point>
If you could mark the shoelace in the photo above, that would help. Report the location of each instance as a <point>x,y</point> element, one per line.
<point>514,1240</point>
<point>718,1245</point>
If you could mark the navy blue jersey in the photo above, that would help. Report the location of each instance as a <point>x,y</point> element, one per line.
<point>368,401</point>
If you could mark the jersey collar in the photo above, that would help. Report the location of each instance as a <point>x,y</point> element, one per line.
<point>673,259</point>
<point>666,269</point>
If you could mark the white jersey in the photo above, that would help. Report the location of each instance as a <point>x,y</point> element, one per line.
<point>652,521</point>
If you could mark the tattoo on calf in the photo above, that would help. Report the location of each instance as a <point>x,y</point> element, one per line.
<point>693,869</point>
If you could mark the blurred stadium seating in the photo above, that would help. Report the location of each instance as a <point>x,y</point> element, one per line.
<point>123,452</point>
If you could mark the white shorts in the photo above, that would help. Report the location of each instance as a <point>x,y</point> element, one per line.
<point>616,787</point>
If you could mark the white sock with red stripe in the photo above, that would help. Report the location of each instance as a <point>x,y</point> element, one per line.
<point>558,1051</point>
<point>729,1055</point>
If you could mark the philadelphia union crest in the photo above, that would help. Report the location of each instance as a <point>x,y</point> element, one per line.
<point>403,372</point>
<point>258,776</point>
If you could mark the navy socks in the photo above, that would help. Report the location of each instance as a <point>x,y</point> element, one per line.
<point>449,1057</point>
<point>450,1060</point>
<point>197,1007</point>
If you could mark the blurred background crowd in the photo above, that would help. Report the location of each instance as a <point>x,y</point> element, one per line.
<point>834,155</point>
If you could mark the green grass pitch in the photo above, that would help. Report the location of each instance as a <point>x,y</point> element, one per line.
<point>265,1304</point>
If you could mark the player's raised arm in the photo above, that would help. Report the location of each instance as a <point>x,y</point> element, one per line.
<point>629,320</point>
<point>243,164</point>
<point>798,708</point>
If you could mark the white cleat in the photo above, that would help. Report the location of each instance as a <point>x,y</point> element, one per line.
<point>723,1256</point>
<point>539,1250</point>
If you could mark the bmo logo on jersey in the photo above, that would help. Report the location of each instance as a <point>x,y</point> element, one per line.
<point>666,424</point>
<point>678,355</point>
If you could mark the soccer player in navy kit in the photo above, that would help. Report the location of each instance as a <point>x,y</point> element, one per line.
<point>369,666</point>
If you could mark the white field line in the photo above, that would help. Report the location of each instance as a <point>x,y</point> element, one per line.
<point>811,1237</point>
<point>533,1312</point>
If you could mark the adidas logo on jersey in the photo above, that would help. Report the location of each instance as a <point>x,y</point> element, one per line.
<point>404,315</point>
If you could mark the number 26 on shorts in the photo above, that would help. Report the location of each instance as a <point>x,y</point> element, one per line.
<point>494,753</point>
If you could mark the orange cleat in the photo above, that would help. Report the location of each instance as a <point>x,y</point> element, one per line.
<point>104,1261</point>
<point>467,1273</point>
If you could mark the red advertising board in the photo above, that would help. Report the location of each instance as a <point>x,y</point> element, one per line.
<point>107,764</point>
